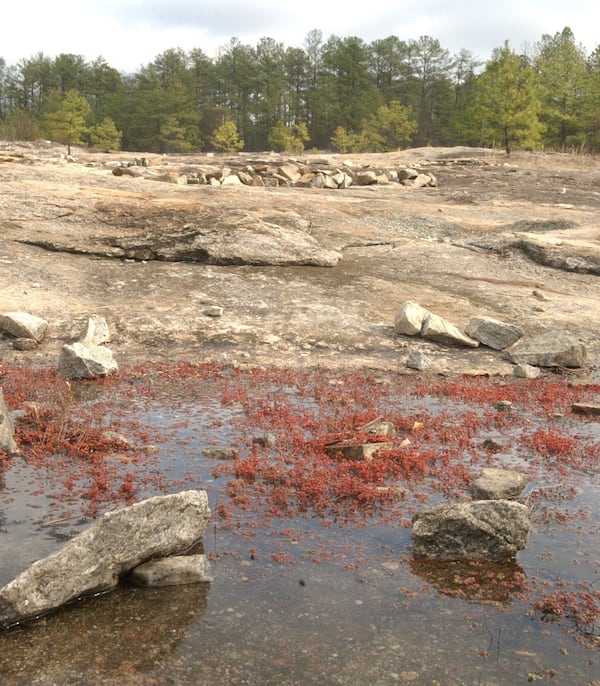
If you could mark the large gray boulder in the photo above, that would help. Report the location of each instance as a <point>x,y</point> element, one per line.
<point>548,349</point>
<point>93,561</point>
<point>476,530</point>
<point>23,325</point>
<point>80,361</point>
<point>7,429</point>
<point>436,328</point>
<point>493,333</point>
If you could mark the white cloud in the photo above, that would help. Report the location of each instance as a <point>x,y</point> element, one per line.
<point>130,33</point>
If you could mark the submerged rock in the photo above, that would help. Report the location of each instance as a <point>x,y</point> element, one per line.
<point>93,561</point>
<point>477,530</point>
<point>172,571</point>
<point>494,484</point>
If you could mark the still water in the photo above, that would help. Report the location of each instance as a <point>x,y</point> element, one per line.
<point>308,599</point>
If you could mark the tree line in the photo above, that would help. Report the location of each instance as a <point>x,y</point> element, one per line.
<point>340,93</point>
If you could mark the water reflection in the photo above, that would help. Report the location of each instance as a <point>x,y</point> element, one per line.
<point>126,633</point>
<point>478,582</point>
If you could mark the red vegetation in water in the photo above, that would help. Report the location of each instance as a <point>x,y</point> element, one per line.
<point>91,452</point>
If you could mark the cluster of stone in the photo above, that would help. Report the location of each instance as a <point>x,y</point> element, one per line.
<point>310,173</point>
<point>528,353</point>
<point>86,358</point>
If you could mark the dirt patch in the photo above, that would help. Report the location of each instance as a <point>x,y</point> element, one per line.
<point>456,249</point>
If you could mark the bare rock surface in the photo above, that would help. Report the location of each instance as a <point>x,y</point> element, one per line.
<point>477,530</point>
<point>151,257</point>
<point>93,561</point>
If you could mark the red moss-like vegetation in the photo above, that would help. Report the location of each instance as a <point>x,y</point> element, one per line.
<point>97,445</point>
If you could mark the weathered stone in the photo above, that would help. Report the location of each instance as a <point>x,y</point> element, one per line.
<point>526,371</point>
<point>96,331</point>
<point>585,409</point>
<point>231,180</point>
<point>477,530</point>
<point>366,178</point>
<point>418,360</point>
<point>7,428</point>
<point>221,453</point>
<point>494,484</point>
<point>437,329</point>
<point>79,361</point>
<point>548,349</point>
<point>213,311</point>
<point>23,325</point>
<point>172,571</point>
<point>410,318</point>
<point>379,428</point>
<point>407,173</point>
<point>25,344</point>
<point>421,181</point>
<point>359,452</point>
<point>493,333</point>
<point>93,561</point>
<point>289,172</point>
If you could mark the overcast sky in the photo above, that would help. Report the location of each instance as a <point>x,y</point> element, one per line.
<point>131,33</point>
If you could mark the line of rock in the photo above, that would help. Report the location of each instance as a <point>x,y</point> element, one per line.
<point>317,173</point>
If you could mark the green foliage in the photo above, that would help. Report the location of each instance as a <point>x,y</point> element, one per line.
<point>345,141</point>
<point>508,104</point>
<point>561,65</point>
<point>283,138</point>
<point>335,87</point>
<point>105,135</point>
<point>177,136</point>
<point>389,128</point>
<point>65,119</point>
<point>226,138</point>
<point>19,126</point>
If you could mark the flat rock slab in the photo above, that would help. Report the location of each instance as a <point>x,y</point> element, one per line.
<point>477,530</point>
<point>93,561</point>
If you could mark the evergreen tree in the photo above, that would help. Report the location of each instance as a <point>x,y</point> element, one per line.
<point>225,138</point>
<point>561,65</point>
<point>508,102</point>
<point>105,135</point>
<point>432,67</point>
<point>65,120</point>
<point>389,128</point>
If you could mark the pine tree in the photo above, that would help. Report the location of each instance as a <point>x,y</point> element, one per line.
<point>226,138</point>
<point>65,120</point>
<point>508,102</point>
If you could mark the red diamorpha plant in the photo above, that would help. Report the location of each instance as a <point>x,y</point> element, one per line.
<point>86,439</point>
